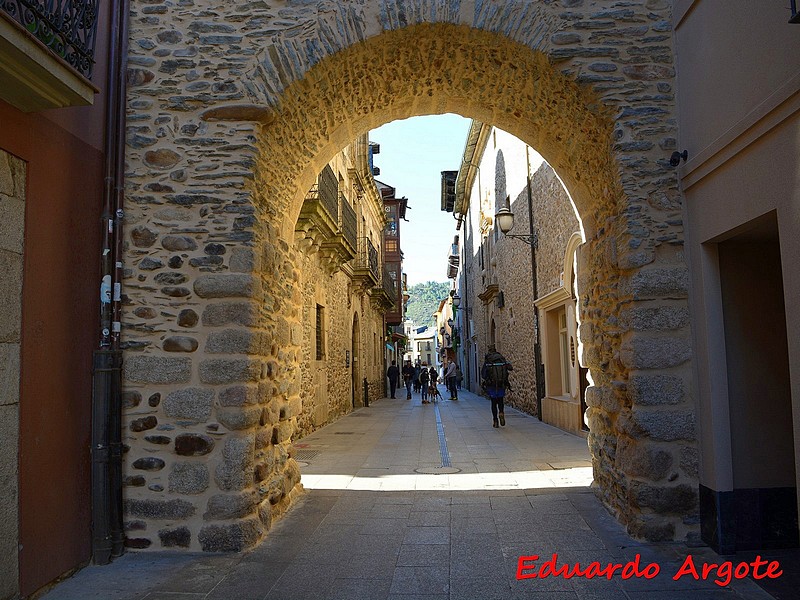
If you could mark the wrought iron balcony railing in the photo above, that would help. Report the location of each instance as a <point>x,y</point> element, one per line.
<point>349,223</point>
<point>329,193</point>
<point>389,285</point>
<point>368,259</point>
<point>67,27</point>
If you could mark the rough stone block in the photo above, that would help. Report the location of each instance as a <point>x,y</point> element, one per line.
<point>602,397</point>
<point>224,313</point>
<point>179,537</point>
<point>224,370</point>
<point>235,341</point>
<point>656,282</point>
<point>225,285</point>
<point>222,507</point>
<point>690,461</point>
<point>654,390</point>
<point>665,425</point>
<point>235,472</point>
<point>180,343</point>
<point>144,423</point>
<point>242,260</point>
<point>676,500</point>
<point>233,537</point>
<point>193,444</point>
<point>640,458</point>
<point>239,395</point>
<point>188,478</point>
<point>9,374</point>
<point>10,297</point>
<point>643,352</point>
<point>239,418</point>
<point>157,369</point>
<point>652,528</point>
<point>148,463</point>
<point>189,403</point>
<point>187,318</point>
<point>659,318</point>
<point>159,509</point>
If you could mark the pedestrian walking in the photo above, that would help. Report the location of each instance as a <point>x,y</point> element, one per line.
<point>417,371</point>
<point>450,380</point>
<point>393,373</point>
<point>459,377</point>
<point>494,379</point>
<point>408,375</point>
<point>433,390</point>
<point>424,378</point>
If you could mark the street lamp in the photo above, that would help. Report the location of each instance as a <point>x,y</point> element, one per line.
<point>505,221</point>
<point>455,298</point>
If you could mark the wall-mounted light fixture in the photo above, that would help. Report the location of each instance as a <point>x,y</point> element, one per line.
<point>676,157</point>
<point>505,221</point>
<point>455,298</point>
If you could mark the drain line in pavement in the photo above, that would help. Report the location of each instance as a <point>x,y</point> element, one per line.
<point>442,441</point>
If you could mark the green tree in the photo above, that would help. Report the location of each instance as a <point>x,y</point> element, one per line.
<point>424,299</point>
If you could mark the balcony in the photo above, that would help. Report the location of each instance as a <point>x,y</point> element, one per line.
<point>342,246</point>
<point>384,295</point>
<point>327,223</point>
<point>47,52</point>
<point>366,268</point>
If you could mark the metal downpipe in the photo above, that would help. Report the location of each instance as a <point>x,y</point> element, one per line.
<point>106,451</point>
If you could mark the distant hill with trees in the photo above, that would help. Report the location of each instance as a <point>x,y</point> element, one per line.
<point>424,300</point>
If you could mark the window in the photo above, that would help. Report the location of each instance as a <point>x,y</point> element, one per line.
<point>563,341</point>
<point>320,342</point>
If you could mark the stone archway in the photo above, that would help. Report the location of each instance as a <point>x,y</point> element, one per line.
<point>222,196</point>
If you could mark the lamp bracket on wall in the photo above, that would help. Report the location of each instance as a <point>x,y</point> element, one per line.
<point>676,157</point>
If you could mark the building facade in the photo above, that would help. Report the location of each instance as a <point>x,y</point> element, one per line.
<point>60,130</point>
<point>345,297</point>
<point>739,123</point>
<point>234,113</point>
<point>502,302</point>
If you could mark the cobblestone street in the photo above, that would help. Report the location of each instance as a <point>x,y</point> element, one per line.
<point>383,519</point>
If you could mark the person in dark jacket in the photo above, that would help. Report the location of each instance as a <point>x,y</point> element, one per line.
<point>494,379</point>
<point>424,379</point>
<point>408,376</point>
<point>393,373</point>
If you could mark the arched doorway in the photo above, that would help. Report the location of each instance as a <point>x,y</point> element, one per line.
<point>277,128</point>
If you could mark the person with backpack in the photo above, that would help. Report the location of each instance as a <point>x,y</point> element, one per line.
<point>424,378</point>
<point>494,379</point>
<point>408,376</point>
<point>450,380</point>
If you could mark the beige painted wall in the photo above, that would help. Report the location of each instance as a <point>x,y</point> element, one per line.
<point>740,122</point>
<point>12,228</point>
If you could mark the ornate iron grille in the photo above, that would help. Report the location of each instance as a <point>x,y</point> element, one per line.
<point>372,259</point>
<point>67,27</point>
<point>329,193</point>
<point>390,283</point>
<point>349,223</point>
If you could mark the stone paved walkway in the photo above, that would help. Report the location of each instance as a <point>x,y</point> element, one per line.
<point>373,527</point>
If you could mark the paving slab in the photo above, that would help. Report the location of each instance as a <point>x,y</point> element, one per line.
<point>371,526</point>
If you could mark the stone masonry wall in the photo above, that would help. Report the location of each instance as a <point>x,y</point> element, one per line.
<point>554,221</point>
<point>12,235</point>
<point>233,110</point>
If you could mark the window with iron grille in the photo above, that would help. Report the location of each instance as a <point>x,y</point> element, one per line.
<point>320,342</point>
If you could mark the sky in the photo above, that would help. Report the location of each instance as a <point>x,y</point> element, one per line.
<point>413,154</point>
